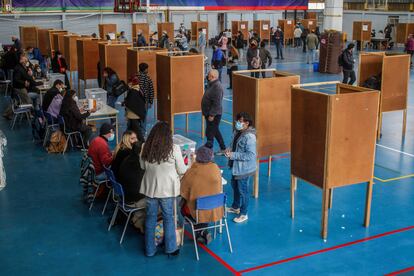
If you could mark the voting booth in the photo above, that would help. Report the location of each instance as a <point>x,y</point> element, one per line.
<point>242,26</point>
<point>88,57</point>
<point>394,73</point>
<point>195,26</point>
<point>59,41</point>
<point>43,41</point>
<point>144,27</point>
<point>52,46</point>
<point>167,27</point>
<point>28,36</point>
<point>262,28</point>
<point>333,141</point>
<point>105,29</point>
<point>361,31</point>
<point>403,30</point>
<point>71,54</point>
<point>180,82</point>
<point>268,101</point>
<point>309,24</point>
<point>288,27</point>
<point>114,55</point>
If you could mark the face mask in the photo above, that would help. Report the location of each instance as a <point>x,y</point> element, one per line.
<point>27,64</point>
<point>61,89</point>
<point>111,138</point>
<point>39,70</point>
<point>75,98</point>
<point>238,125</point>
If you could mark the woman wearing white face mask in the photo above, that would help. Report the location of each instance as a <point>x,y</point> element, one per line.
<point>242,162</point>
<point>74,117</point>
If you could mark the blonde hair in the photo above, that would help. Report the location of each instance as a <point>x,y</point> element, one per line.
<point>125,143</point>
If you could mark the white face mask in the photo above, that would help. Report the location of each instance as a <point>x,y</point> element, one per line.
<point>61,89</point>
<point>27,64</point>
<point>111,138</point>
<point>39,70</point>
<point>76,99</point>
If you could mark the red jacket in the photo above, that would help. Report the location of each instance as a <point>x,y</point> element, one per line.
<point>100,154</point>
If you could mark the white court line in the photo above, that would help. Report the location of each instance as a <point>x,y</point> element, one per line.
<point>391,149</point>
<point>226,99</point>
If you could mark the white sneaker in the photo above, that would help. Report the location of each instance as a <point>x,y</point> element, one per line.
<point>241,219</point>
<point>232,210</point>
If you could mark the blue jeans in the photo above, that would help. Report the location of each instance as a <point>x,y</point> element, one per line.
<point>111,102</point>
<point>310,56</point>
<point>167,209</point>
<point>240,194</point>
<point>220,70</point>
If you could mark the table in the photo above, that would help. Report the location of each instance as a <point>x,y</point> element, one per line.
<point>380,43</point>
<point>43,89</point>
<point>105,113</point>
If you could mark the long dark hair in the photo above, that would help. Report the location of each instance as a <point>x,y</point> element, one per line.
<point>69,96</point>
<point>109,70</point>
<point>159,145</point>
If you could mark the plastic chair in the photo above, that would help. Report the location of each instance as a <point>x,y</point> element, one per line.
<point>5,81</point>
<point>19,110</point>
<point>119,198</point>
<point>51,125</point>
<point>109,175</point>
<point>85,164</point>
<point>206,203</point>
<point>69,134</point>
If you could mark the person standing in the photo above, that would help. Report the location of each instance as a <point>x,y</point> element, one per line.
<point>135,110</point>
<point>409,48</point>
<point>163,164</point>
<point>212,109</point>
<point>279,42</point>
<point>253,58</point>
<point>59,65</point>
<point>347,63</point>
<point>311,43</point>
<point>265,57</point>
<point>242,162</point>
<point>17,44</point>
<point>239,43</point>
<point>223,43</point>
<point>297,34</point>
<point>303,36</point>
<point>147,88</point>
<point>110,80</point>
<point>164,41</point>
<point>232,64</point>
<point>218,60</point>
<point>202,41</point>
<point>141,42</point>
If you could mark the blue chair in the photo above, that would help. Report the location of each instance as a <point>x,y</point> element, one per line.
<point>69,134</point>
<point>19,110</point>
<point>207,203</point>
<point>109,175</point>
<point>119,198</point>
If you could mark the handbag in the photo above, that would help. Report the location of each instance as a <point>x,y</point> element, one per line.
<point>119,88</point>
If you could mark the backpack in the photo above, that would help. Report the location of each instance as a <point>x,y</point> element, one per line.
<point>119,88</point>
<point>256,62</point>
<point>38,127</point>
<point>341,59</point>
<point>57,142</point>
<point>373,82</point>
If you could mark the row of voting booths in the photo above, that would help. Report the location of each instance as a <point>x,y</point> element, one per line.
<point>288,27</point>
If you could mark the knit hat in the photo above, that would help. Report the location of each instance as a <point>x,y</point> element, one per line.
<point>204,154</point>
<point>105,129</point>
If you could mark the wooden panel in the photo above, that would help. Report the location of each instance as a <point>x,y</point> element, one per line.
<point>168,27</point>
<point>43,41</point>
<point>164,88</point>
<point>114,56</point>
<point>70,53</point>
<point>144,27</point>
<point>273,120</point>
<point>244,95</point>
<point>187,85</point>
<point>137,56</point>
<point>52,45</point>
<point>369,65</point>
<point>310,24</point>
<point>59,42</point>
<point>394,86</point>
<point>352,138</point>
<point>29,36</point>
<point>195,25</point>
<point>262,28</point>
<point>309,135</point>
<point>345,88</point>
<point>361,30</point>
<point>287,27</point>
<point>88,57</point>
<point>403,30</point>
<point>242,26</point>
<point>104,29</point>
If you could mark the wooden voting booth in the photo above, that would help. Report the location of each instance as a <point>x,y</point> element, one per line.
<point>262,28</point>
<point>168,27</point>
<point>104,29</point>
<point>361,31</point>
<point>288,27</point>
<point>403,30</point>
<point>114,55</point>
<point>309,24</point>
<point>51,42</point>
<point>43,41</point>
<point>59,41</point>
<point>180,81</point>
<point>242,26</point>
<point>267,100</point>
<point>28,36</point>
<point>88,57</point>
<point>71,54</point>
<point>144,27</point>
<point>394,70</point>
<point>195,25</point>
<point>333,142</point>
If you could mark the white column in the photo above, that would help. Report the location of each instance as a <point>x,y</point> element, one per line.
<point>333,15</point>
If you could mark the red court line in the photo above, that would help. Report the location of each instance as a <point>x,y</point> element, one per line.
<point>327,249</point>
<point>214,255</point>
<point>408,269</point>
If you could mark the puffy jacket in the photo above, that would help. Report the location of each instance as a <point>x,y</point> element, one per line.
<point>244,158</point>
<point>347,60</point>
<point>211,104</point>
<point>100,154</point>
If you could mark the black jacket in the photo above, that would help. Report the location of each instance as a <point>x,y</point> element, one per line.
<point>71,113</point>
<point>56,68</point>
<point>20,75</point>
<point>47,99</point>
<point>211,104</point>
<point>135,102</point>
<point>130,177</point>
<point>347,60</point>
<point>141,42</point>
<point>121,155</point>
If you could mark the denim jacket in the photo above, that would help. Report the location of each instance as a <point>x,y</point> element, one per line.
<point>244,158</point>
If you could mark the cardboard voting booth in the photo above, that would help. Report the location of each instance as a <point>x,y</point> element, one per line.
<point>105,29</point>
<point>195,26</point>
<point>28,36</point>
<point>167,27</point>
<point>52,44</point>
<point>403,30</point>
<point>242,26</point>
<point>361,31</point>
<point>288,27</point>
<point>114,55</point>
<point>88,57</point>
<point>144,27</point>
<point>262,28</point>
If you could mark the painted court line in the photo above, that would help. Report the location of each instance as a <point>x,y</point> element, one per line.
<point>327,249</point>
<point>408,269</point>
<point>395,178</point>
<point>395,150</point>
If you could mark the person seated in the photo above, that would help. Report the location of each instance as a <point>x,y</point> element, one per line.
<point>50,94</point>
<point>33,91</point>
<point>122,150</point>
<point>203,178</point>
<point>74,117</point>
<point>56,105</point>
<point>99,151</point>
<point>130,177</point>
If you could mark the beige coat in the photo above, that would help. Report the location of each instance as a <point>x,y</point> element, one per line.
<point>202,180</point>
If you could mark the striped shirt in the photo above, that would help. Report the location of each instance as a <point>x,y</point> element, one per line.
<point>146,86</point>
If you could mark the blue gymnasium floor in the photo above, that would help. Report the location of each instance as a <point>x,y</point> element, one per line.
<point>46,230</point>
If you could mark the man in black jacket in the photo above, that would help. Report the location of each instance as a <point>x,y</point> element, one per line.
<point>51,93</point>
<point>212,109</point>
<point>348,61</point>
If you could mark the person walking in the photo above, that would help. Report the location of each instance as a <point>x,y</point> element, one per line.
<point>163,164</point>
<point>347,62</point>
<point>297,34</point>
<point>218,60</point>
<point>303,36</point>
<point>242,162</point>
<point>265,57</point>
<point>311,43</point>
<point>279,42</point>
<point>202,41</point>
<point>212,109</point>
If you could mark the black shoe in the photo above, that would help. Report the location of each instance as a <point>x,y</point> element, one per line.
<point>174,254</point>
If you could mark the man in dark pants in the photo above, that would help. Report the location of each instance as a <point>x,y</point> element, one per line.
<point>279,39</point>
<point>348,64</point>
<point>212,108</point>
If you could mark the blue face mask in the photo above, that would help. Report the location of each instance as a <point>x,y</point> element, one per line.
<point>111,138</point>
<point>238,126</point>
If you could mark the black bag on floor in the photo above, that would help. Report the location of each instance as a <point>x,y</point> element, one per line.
<point>38,127</point>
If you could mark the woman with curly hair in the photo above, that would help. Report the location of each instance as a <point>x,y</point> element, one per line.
<point>163,164</point>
